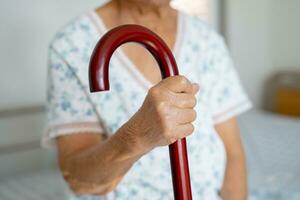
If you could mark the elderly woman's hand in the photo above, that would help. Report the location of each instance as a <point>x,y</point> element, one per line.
<point>165,116</point>
<point>92,165</point>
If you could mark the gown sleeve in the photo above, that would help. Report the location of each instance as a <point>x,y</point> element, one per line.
<point>69,109</point>
<point>228,97</point>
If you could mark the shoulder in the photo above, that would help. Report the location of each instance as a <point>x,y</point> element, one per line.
<point>77,31</point>
<point>205,50</point>
<point>203,33</point>
<point>211,45</point>
<point>72,47</point>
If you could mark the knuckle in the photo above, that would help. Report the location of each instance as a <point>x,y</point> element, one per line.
<point>165,128</point>
<point>153,91</point>
<point>170,138</point>
<point>163,119</point>
<point>191,101</point>
<point>194,101</point>
<point>161,107</point>
<point>190,129</point>
<point>166,132</point>
<point>182,80</point>
<point>194,115</point>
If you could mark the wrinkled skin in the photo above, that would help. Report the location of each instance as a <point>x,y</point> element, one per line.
<point>166,114</point>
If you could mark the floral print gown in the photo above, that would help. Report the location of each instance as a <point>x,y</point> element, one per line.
<point>202,57</point>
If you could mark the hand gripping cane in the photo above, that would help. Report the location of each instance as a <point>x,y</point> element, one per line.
<point>99,81</point>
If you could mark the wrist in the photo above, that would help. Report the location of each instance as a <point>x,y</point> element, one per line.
<point>127,136</point>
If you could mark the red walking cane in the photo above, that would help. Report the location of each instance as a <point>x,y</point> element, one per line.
<point>99,81</point>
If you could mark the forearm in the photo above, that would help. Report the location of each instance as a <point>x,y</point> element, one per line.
<point>235,182</point>
<point>101,165</point>
<point>93,166</point>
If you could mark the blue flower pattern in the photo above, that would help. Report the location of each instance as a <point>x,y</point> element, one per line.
<point>203,58</point>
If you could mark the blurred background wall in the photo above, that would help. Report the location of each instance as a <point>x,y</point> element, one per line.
<point>26,29</point>
<point>264,38</point>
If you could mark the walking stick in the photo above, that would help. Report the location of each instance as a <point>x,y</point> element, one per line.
<point>99,81</point>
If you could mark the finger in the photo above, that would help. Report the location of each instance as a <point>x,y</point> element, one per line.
<point>178,84</point>
<point>196,88</point>
<point>183,130</point>
<point>183,116</point>
<point>184,100</point>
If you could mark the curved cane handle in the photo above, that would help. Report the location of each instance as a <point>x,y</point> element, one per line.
<point>99,81</point>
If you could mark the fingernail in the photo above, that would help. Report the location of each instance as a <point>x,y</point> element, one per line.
<point>197,86</point>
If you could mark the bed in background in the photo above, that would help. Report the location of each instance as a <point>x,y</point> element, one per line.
<point>272,144</point>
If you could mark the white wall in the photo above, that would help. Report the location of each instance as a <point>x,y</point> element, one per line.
<point>285,29</point>
<point>26,29</point>
<point>27,26</point>
<point>263,37</point>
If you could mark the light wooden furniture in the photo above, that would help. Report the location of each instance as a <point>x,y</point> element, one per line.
<point>287,94</point>
<point>288,101</point>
